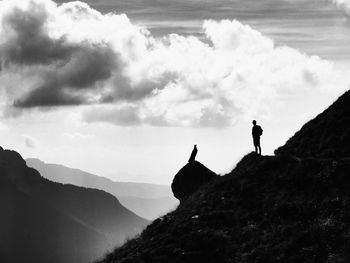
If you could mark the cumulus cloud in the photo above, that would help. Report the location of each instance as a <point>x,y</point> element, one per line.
<point>69,54</point>
<point>343,4</point>
<point>66,72</point>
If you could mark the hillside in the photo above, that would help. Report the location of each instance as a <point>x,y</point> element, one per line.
<point>281,208</point>
<point>146,200</point>
<point>43,221</point>
<point>326,136</point>
<point>66,175</point>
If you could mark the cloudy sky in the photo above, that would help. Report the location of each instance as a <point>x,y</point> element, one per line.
<point>124,89</point>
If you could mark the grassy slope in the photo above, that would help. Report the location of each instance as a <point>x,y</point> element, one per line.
<point>268,209</point>
<point>293,207</point>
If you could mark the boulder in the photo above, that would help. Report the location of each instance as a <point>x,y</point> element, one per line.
<point>190,178</point>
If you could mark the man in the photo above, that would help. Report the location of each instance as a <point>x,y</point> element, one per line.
<point>257,132</point>
<point>193,154</point>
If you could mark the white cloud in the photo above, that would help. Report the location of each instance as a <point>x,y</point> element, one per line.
<point>70,54</point>
<point>343,4</point>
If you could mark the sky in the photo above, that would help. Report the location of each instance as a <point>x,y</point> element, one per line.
<point>124,89</point>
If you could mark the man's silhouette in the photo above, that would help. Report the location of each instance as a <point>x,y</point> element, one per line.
<point>193,154</point>
<point>257,132</point>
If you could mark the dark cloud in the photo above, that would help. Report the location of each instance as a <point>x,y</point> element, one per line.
<point>46,97</point>
<point>69,73</point>
<point>70,68</point>
<point>27,40</point>
<point>73,55</point>
<point>74,82</point>
<point>133,93</point>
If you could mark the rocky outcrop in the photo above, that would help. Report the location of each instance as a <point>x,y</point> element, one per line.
<point>190,178</point>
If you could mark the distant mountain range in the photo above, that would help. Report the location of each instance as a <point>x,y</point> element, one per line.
<point>150,208</point>
<point>48,222</point>
<point>147,200</point>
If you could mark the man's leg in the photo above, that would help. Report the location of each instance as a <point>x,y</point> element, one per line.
<point>258,145</point>
<point>255,144</point>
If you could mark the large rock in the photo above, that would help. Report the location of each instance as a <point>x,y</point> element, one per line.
<point>190,178</point>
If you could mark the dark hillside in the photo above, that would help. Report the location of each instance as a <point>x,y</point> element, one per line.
<point>31,231</point>
<point>46,222</point>
<point>270,209</point>
<point>290,208</point>
<point>326,136</point>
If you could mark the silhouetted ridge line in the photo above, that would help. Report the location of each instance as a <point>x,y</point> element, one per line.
<point>326,136</point>
<point>146,200</point>
<point>42,221</point>
<point>275,209</point>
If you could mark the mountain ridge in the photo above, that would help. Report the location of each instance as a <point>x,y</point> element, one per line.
<point>37,160</point>
<point>289,208</point>
<point>56,223</point>
<point>147,200</point>
<point>325,136</point>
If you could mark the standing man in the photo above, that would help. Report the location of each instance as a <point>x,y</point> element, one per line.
<point>257,132</point>
<point>193,154</point>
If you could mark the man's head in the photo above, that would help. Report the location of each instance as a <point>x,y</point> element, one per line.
<point>254,122</point>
